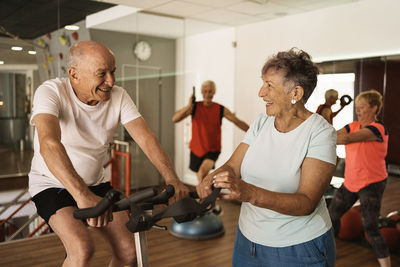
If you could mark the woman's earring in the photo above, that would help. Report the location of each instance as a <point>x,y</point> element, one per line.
<point>293,101</point>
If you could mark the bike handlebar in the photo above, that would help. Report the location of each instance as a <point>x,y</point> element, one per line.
<point>142,201</point>
<point>113,198</point>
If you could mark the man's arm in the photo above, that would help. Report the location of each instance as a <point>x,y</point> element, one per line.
<point>147,141</point>
<point>363,135</point>
<point>183,112</point>
<point>239,123</point>
<point>336,112</point>
<point>60,165</point>
<point>326,113</point>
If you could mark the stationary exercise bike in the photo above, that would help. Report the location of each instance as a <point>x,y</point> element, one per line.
<point>141,215</point>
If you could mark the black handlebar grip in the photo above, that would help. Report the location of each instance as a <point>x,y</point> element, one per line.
<point>136,197</point>
<point>110,198</point>
<point>193,194</point>
<point>163,197</point>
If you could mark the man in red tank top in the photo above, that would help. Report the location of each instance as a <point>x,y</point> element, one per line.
<point>325,110</point>
<point>207,115</point>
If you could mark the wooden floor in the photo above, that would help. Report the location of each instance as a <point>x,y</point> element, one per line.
<point>166,250</point>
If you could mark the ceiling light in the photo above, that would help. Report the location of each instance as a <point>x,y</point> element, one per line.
<point>1,62</point>
<point>32,52</point>
<point>71,27</point>
<point>16,48</point>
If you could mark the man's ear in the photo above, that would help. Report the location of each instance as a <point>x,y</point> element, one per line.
<point>73,74</point>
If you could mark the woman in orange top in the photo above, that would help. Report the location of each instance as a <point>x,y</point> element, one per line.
<point>365,175</point>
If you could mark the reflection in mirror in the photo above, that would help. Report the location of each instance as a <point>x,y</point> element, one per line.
<point>379,73</point>
<point>343,83</point>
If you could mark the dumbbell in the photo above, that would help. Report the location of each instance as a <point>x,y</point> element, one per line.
<point>345,100</point>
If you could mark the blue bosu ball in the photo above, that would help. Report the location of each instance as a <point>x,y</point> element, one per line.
<point>207,226</point>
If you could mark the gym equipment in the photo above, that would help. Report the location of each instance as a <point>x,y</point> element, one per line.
<point>345,100</point>
<point>395,215</point>
<point>194,95</point>
<point>351,227</point>
<point>141,204</point>
<point>387,227</point>
<point>206,226</point>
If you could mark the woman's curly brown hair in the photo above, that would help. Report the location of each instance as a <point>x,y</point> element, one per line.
<point>298,69</point>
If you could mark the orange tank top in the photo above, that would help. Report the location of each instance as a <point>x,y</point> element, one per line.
<point>365,161</point>
<point>206,128</point>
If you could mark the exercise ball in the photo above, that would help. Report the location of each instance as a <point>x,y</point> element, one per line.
<point>351,227</point>
<point>204,227</point>
<point>389,230</point>
<point>391,236</point>
<point>395,215</point>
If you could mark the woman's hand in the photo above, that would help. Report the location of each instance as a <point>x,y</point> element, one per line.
<point>239,190</point>
<point>226,172</point>
<point>204,188</point>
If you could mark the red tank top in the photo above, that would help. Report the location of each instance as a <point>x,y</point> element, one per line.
<point>365,161</point>
<point>319,111</point>
<point>206,129</point>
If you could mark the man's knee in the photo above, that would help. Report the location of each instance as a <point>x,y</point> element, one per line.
<point>80,252</point>
<point>127,256</point>
<point>125,252</point>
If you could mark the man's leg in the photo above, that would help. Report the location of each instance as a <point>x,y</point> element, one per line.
<point>121,239</point>
<point>204,169</point>
<point>75,237</point>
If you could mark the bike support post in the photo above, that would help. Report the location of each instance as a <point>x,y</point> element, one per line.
<point>141,249</point>
<point>141,246</point>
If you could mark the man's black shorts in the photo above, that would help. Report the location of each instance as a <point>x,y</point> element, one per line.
<point>195,161</point>
<point>52,199</point>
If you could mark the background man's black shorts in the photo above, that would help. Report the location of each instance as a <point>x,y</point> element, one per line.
<point>196,161</point>
<point>50,200</point>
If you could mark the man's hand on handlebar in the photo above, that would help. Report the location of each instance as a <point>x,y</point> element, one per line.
<point>91,200</point>
<point>181,191</point>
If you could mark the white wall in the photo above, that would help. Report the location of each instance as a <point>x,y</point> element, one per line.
<point>361,29</point>
<point>209,56</point>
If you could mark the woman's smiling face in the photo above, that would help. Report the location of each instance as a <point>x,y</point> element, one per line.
<point>274,94</point>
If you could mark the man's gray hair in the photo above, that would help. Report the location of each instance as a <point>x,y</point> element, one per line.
<point>331,92</point>
<point>209,83</point>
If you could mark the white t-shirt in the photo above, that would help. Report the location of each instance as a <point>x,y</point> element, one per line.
<point>273,162</point>
<point>86,131</point>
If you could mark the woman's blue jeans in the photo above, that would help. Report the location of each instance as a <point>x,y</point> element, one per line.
<point>319,252</point>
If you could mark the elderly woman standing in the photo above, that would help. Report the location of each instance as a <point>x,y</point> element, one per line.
<point>366,143</point>
<point>280,172</point>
